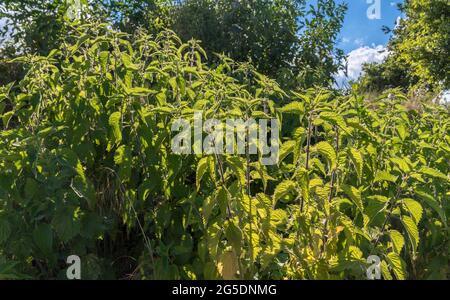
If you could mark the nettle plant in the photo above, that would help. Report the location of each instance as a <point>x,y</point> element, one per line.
<point>86,168</point>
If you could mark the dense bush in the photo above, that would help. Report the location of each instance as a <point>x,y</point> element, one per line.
<point>86,168</point>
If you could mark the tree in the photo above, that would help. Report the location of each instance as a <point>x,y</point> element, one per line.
<point>282,38</point>
<point>40,26</point>
<point>419,50</point>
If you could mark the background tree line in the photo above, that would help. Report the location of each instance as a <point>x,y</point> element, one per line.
<point>419,51</point>
<point>286,39</point>
<point>291,41</point>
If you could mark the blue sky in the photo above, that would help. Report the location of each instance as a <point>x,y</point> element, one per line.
<point>359,30</point>
<point>362,38</point>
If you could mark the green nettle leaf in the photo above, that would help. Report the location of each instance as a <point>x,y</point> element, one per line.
<point>385,271</point>
<point>278,217</point>
<point>84,188</point>
<point>286,149</point>
<point>237,166</point>
<point>414,208</point>
<point>222,199</point>
<point>43,237</point>
<point>127,62</point>
<point>326,150</point>
<point>430,201</point>
<point>202,168</point>
<point>413,232</point>
<point>433,173</point>
<point>139,91</point>
<point>385,176</point>
<point>358,161</point>
<point>234,237</point>
<point>5,230</point>
<point>114,122</point>
<point>294,107</point>
<point>7,117</point>
<point>119,156</point>
<point>376,204</point>
<point>397,265</point>
<point>122,158</point>
<point>402,164</point>
<point>398,241</point>
<point>401,129</point>
<point>355,196</point>
<point>104,55</point>
<point>282,189</point>
<point>66,224</point>
<point>335,119</point>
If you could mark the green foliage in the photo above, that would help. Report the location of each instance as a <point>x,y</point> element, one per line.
<point>285,39</point>
<point>419,50</point>
<point>86,168</point>
<point>290,40</point>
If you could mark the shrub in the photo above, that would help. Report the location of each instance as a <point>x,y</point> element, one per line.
<point>86,168</point>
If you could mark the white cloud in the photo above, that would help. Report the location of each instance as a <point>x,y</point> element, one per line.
<point>445,98</point>
<point>359,42</point>
<point>357,58</point>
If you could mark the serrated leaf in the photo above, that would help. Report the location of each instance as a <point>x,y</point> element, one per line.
<point>202,167</point>
<point>278,217</point>
<point>355,196</point>
<point>114,122</point>
<point>385,271</point>
<point>66,224</point>
<point>234,236</point>
<point>358,161</point>
<point>228,265</point>
<point>334,119</point>
<point>282,189</point>
<point>385,176</point>
<point>43,238</point>
<point>401,130</point>
<point>286,149</point>
<point>414,208</point>
<point>325,149</point>
<point>402,164</point>
<point>433,173</point>
<point>430,201</point>
<point>6,118</point>
<point>397,265</point>
<point>412,230</point>
<point>398,241</point>
<point>104,55</point>
<point>127,62</point>
<point>237,167</point>
<point>293,107</point>
<point>139,91</point>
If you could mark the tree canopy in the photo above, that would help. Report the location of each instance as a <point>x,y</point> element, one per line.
<point>419,50</point>
<point>285,39</point>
